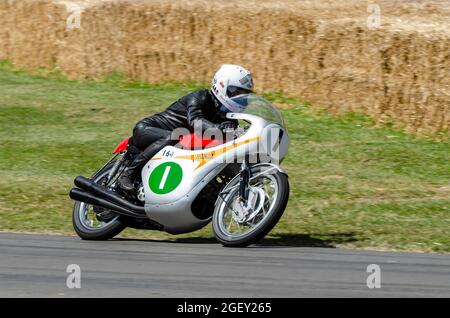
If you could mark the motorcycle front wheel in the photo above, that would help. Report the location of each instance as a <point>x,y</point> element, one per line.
<point>94,223</point>
<point>239,224</point>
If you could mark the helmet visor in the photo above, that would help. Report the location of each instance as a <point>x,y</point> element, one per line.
<point>233,91</point>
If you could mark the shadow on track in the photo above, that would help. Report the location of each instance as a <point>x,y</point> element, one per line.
<point>307,240</point>
<point>279,240</point>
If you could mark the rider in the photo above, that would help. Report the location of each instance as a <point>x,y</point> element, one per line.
<point>203,108</point>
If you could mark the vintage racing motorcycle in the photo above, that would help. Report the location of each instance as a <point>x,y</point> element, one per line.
<point>238,185</point>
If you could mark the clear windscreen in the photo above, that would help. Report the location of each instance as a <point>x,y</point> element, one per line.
<point>258,106</point>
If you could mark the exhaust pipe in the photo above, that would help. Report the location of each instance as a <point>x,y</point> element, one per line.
<point>103,193</point>
<point>82,196</point>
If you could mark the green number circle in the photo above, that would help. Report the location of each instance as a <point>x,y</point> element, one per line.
<point>165,178</point>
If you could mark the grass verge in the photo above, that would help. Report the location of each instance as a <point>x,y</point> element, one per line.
<point>352,184</point>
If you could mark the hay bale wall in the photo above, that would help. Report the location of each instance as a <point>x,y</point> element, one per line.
<point>320,51</point>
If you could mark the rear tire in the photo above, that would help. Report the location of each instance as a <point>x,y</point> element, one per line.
<point>266,224</point>
<point>110,229</point>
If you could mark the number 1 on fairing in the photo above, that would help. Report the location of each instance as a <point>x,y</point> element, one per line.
<point>164,177</point>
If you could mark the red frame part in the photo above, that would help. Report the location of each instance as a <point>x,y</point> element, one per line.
<point>122,146</point>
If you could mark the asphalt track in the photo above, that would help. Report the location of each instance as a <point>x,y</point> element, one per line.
<point>35,266</point>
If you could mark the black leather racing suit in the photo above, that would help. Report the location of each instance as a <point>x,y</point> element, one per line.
<point>198,107</point>
<point>153,133</point>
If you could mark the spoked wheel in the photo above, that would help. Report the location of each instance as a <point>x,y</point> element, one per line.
<point>237,223</point>
<point>95,223</point>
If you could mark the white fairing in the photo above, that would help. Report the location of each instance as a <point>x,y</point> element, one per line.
<point>174,177</point>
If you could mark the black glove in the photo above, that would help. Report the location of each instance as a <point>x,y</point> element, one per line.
<point>227,125</point>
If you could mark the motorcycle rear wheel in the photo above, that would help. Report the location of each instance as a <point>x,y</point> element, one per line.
<point>270,193</point>
<point>86,223</point>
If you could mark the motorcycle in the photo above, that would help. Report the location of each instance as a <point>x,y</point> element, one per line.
<point>237,184</point>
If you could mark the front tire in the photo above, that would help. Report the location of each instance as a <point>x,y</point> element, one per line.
<point>86,223</point>
<point>269,213</point>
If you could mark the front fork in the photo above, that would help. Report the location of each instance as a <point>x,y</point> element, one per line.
<point>245,175</point>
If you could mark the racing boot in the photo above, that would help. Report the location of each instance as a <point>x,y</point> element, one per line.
<point>126,180</point>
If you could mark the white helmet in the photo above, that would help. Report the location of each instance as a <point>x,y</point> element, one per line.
<point>230,81</point>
